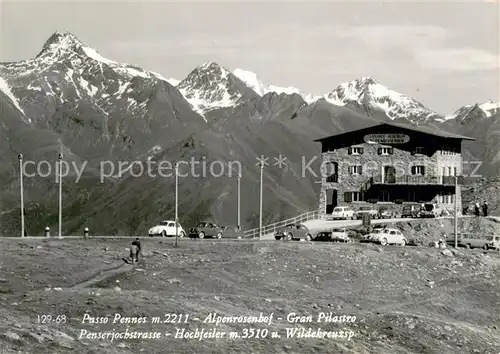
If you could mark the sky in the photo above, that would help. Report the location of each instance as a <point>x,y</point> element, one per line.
<point>444,54</point>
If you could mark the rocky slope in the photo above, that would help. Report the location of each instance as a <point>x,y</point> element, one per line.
<point>70,99</point>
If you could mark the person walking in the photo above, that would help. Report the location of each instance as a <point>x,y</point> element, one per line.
<point>476,209</point>
<point>485,208</point>
<point>135,250</point>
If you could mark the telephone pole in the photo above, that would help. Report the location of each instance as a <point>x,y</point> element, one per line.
<point>60,194</point>
<point>261,193</point>
<point>176,203</point>
<point>456,211</point>
<point>21,173</point>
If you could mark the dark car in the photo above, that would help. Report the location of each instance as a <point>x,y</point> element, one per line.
<point>411,211</point>
<point>296,232</point>
<point>232,232</point>
<point>334,235</point>
<point>206,229</point>
<point>282,231</point>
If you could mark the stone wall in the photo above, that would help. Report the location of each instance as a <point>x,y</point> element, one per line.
<point>372,165</point>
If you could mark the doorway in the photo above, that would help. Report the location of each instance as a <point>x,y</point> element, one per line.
<point>331,200</point>
<point>389,174</point>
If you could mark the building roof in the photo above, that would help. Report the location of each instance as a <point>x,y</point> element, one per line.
<point>417,128</point>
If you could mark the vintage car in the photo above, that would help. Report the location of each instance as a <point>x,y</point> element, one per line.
<point>430,210</point>
<point>279,234</point>
<point>390,236</point>
<point>333,235</point>
<point>167,228</point>
<point>475,241</point>
<point>411,211</point>
<point>342,213</point>
<point>385,214</point>
<point>297,232</point>
<point>367,210</point>
<point>206,229</point>
<point>232,232</point>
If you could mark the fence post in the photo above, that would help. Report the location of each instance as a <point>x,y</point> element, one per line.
<point>47,231</point>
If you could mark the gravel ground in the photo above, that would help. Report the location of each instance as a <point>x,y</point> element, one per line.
<point>405,300</point>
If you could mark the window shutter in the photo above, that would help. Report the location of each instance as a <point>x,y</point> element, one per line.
<point>379,151</point>
<point>391,151</point>
<point>347,196</point>
<point>423,170</point>
<point>361,150</point>
<point>349,151</point>
<point>360,169</point>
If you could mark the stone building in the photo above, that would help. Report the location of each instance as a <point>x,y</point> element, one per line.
<point>389,164</point>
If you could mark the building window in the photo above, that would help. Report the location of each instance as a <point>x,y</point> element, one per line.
<point>418,170</point>
<point>385,151</point>
<point>419,150</point>
<point>354,196</point>
<point>443,171</point>
<point>356,170</point>
<point>355,150</point>
<point>449,171</point>
<point>456,171</point>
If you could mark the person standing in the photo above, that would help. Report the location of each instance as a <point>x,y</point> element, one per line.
<point>476,209</point>
<point>136,250</point>
<point>485,208</point>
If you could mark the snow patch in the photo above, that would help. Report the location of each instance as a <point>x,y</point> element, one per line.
<point>92,53</point>
<point>5,88</point>
<point>490,108</point>
<point>252,81</point>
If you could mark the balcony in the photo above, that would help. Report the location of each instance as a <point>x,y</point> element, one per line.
<point>413,180</point>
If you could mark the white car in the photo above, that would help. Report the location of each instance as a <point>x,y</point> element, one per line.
<point>390,236</point>
<point>343,213</point>
<point>166,228</point>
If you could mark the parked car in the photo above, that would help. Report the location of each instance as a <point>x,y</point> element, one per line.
<point>391,236</point>
<point>473,241</point>
<point>411,211</point>
<point>333,235</point>
<point>374,235</point>
<point>342,213</point>
<point>281,233</point>
<point>206,229</point>
<point>340,235</point>
<point>430,210</point>
<point>297,232</point>
<point>232,232</point>
<point>386,214</point>
<point>166,228</point>
<point>367,210</point>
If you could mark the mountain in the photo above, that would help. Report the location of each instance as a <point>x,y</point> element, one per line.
<point>210,86</point>
<point>100,107</point>
<point>252,80</point>
<point>71,99</point>
<point>481,121</point>
<point>372,98</point>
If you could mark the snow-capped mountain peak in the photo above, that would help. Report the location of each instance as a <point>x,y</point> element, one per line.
<point>61,41</point>
<point>371,95</point>
<point>210,86</point>
<point>252,81</point>
<point>486,109</point>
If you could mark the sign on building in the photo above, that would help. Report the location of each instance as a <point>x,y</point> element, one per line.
<point>387,138</point>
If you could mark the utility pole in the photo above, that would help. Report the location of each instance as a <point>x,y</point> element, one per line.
<point>21,173</point>
<point>456,211</point>
<point>239,201</point>
<point>261,193</point>
<point>60,194</point>
<point>176,203</point>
